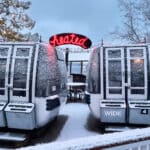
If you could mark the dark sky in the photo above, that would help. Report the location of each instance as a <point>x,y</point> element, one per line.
<point>93,18</point>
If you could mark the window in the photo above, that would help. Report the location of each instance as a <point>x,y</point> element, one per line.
<point>2,72</point>
<point>3,51</point>
<point>22,52</point>
<point>94,73</point>
<point>78,67</point>
<point>137,73</point>
<point>84,67</point>
<point>60,55</point>
<point>20,73</point>
<point>115,74</point>
<point>75,67</point>
<point>48,80</point>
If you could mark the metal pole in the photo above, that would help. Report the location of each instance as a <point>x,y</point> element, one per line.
<point>67,57</point>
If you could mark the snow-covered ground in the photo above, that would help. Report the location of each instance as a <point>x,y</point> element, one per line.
<point>98,141</point>
<point>76,129</point>
<point>76,125</point>
<point>80,131</point>
<point>73,122</point>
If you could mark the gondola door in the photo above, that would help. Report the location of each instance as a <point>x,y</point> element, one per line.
<point>114,73</point>
<point>126,69</point>
<point>137,73</point>
<point>5,53</point>
<point>20,73</point>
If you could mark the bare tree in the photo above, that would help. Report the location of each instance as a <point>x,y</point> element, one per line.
<point>136,25</point>
<point>13,19</point>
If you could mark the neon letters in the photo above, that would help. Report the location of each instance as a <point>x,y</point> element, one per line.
<point>70,38</point>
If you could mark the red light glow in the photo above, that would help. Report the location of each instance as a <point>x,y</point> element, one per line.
<point>50,50</point>
<point>70,38</point>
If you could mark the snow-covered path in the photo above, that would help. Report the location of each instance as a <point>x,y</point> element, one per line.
<point>76,129</point>
<point>74,121</point>
<point>77,123</point>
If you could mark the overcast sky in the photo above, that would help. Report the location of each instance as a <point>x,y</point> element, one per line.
<point>93,18</point>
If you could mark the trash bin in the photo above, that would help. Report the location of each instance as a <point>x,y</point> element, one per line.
<point>139,112</point>
<point>112,111</point>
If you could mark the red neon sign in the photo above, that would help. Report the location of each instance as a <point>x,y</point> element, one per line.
<point>70,38</point>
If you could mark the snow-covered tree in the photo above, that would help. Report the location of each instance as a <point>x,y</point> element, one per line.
<point>13,19</point>
<point>136,25</point>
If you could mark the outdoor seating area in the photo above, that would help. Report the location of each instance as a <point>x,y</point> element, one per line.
<point>76,88</point>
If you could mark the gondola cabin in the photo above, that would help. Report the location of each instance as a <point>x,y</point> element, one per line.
<point>119,84</point>
<point>32,85</point>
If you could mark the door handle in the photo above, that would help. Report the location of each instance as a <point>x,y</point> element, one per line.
<point>10,86</point>
<point>127,85</point>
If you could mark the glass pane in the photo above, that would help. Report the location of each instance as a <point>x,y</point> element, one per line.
<point>19,93</point>
<point>85,65</point>
<point>2,92</point>
<point>20,73</point>
<point>135,148</point>
<point>114,53</point>
<point>136,52</point>
<point>115,91</point>
<point>60,55</point>
<point>2,72</point>
<point>137,73</point>
<point>3,51</point>
<point>143,147</point>
<point>114,73</point>
<point>94,76</point>
<point>22,52</point>
<point>63,77</point>
<point>49,77</point>
<point>137,91</point>
<point>76,68</point>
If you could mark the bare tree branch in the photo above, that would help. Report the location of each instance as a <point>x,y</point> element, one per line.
<point>136,25</point>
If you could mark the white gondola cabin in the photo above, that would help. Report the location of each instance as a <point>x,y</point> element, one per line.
<point>32,84</point>
<point>118,84</point>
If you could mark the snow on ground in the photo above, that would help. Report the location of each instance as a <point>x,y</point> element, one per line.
<point>73,122</point>
<point>76,124</point>
<point>80,132</point>
<point>96,141</point>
